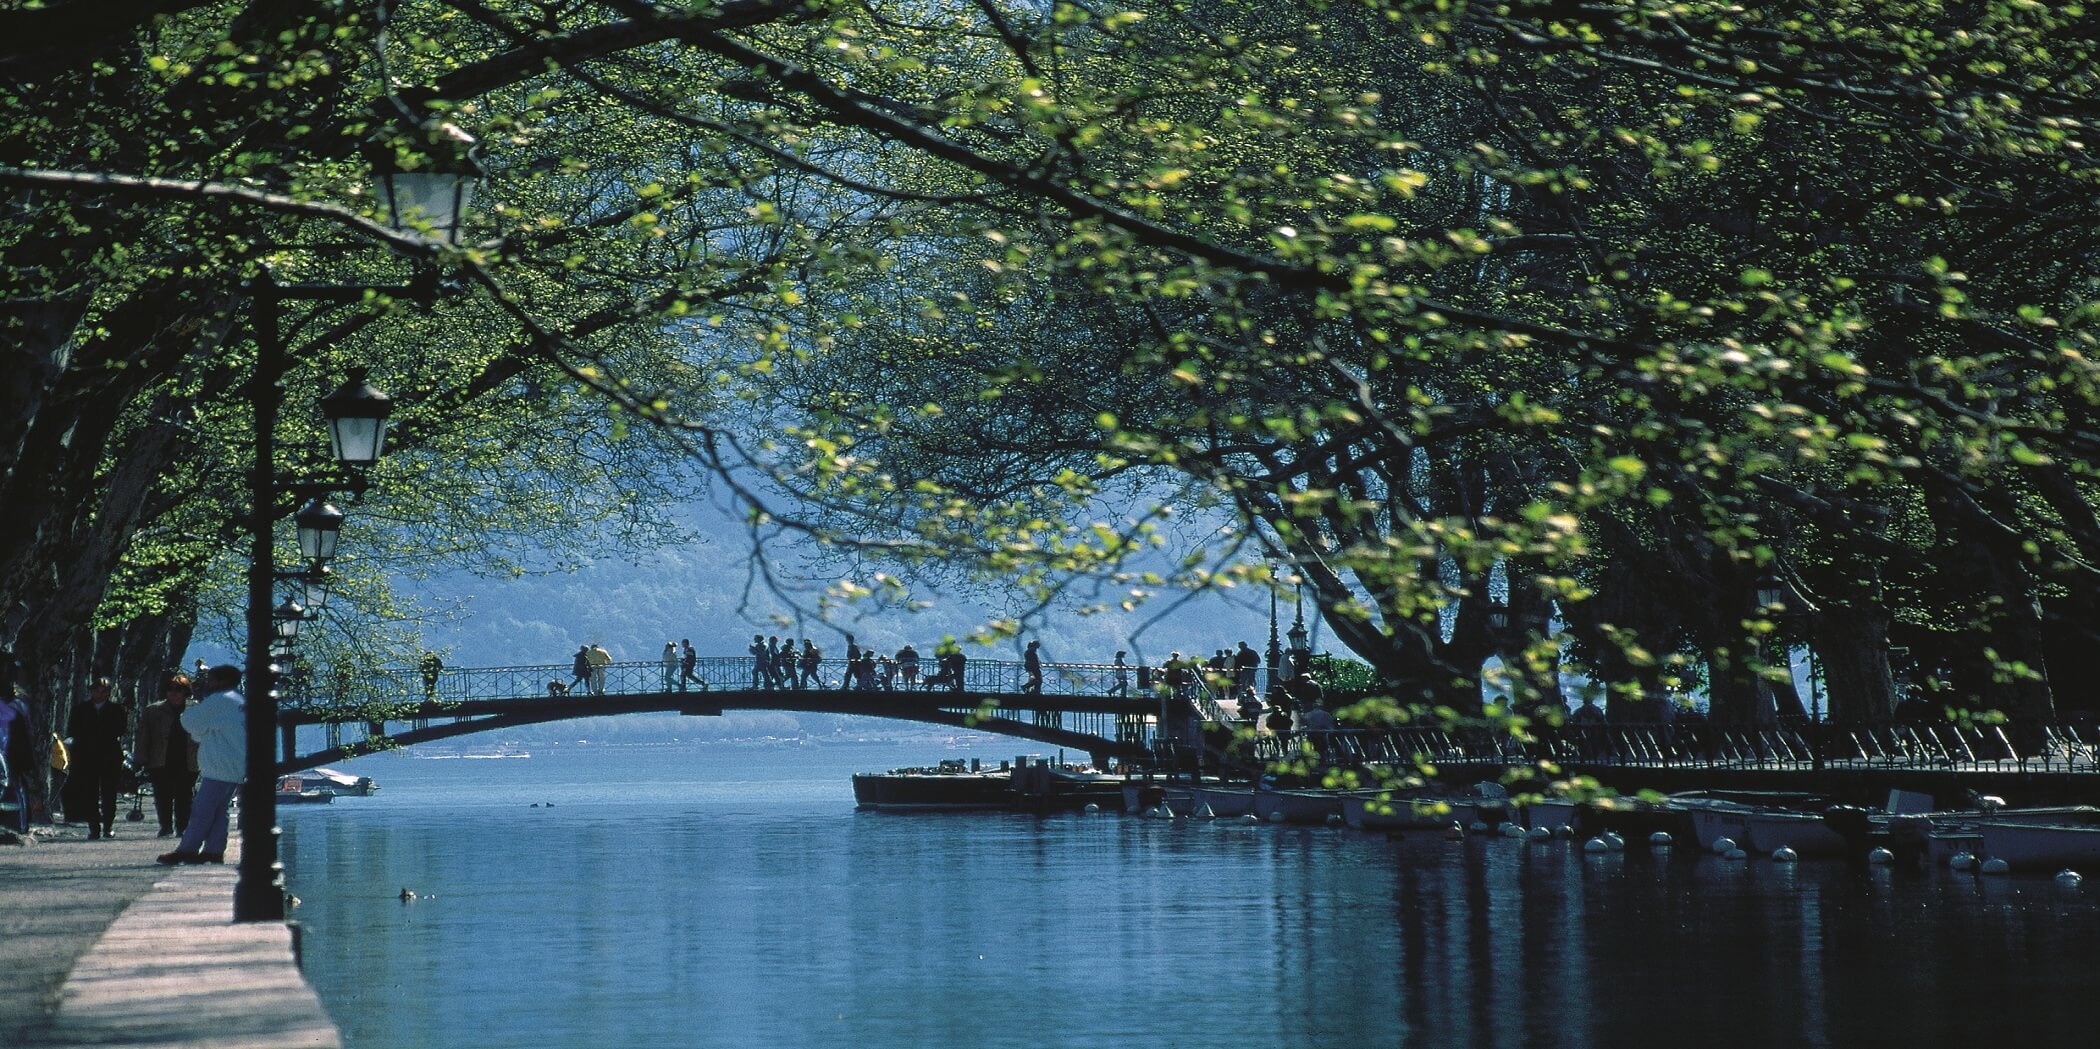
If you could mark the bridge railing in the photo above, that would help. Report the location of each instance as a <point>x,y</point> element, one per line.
<point>452,685</point>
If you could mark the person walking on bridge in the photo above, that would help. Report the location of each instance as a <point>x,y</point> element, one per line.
<point>670,663</point>
<point>599,660</point>
<point>812,660</point>
<point>850,680</point>
<point>580,668</point>
<point>908,667</point>
<point>431,665</point>
<point>761,663</point>
<point>688,659</point>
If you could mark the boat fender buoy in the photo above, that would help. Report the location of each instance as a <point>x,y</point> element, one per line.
<point>1250,818</point>
<point>1203,812</point>
<point>1994,865</point>
<point>1276,817</point>
<point>1661,839</point>
<point>2069,878</point>
<point>1595,845</point>
<point>1092,807</point>
<point>1564,831</point>
<point>1735,854</point>
<point>1612,841</point>
<point>1785,855</point>
<point>1962,861</point>
<point>1538,834</point>
<point>1879,856</point>
<point>1723,845</point>
<point>1511,830</point>
<point>1454,832</point>
<point>1334,819</point>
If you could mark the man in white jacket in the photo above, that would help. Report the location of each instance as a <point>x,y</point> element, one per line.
<point>219,724</point>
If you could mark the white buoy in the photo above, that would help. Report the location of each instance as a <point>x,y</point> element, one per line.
<point>1994,865</point>
<point>1564,831</point>
<point>1093,807</point>
<point>1735,854</point>
<point>1661,839</point>
<point>1962,861</point>
<point>2069,878</point>
<point>1250,818</point>
<point>1879,855</point>
<point>1203,812</point>
<point>1595,845</point>
<point>1276,817</point>
<point>1538,834</point>
<point>1612,841</point>
<point>1454,832</point>
<point>1785,855</point>
<point>1510,830</point>
<point>1162,811</point>
<point>1723,845</point>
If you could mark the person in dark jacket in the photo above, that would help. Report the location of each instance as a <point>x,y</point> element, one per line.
<point>168,755</point>
<point>99,726</point>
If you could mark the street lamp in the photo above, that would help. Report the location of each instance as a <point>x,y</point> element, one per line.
<point>319,524</point>
<point>285,620</point>
<point>313,586</point>
<point>356,414</point>
<point>1771,590</point>
<point>1275,650</point>
<point>436,191</point>
<point>420,193</point>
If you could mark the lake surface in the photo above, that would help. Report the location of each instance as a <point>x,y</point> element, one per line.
<point>725,896</point>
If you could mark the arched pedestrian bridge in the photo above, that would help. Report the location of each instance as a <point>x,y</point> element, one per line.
<point>1095,709</point>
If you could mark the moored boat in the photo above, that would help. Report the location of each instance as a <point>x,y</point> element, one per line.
<point>294,790</point>
<point>1223,802</point>
<point>1304,806</point>
<point>2041,846</point>
<point>1368,812</point>
<point>339,783</point>
<point>947,787</point>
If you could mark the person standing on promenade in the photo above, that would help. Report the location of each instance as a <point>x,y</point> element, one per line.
<point>599,660</point>
<point>908,667</point>
<point>670,665</point>
<point>165,750</point>
<point>687,661</point>
<point>761,663</point>
<point>580,668</point>
<point>431,666</point>
<point>219,723</point>
<point>17,758</point>
<point>99,726</point>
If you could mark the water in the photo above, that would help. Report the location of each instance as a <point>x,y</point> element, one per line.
<point>718,896</point>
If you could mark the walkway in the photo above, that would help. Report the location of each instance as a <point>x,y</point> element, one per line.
<point>100,946</point>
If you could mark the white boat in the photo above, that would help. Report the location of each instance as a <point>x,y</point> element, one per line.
<point>295,790</point>
<point>340,783</point>
<point>1304,806</point>
<point>1769,830</point>
<point>1223,802</point>
<point>2042,846</point>
<point>1551,814</point>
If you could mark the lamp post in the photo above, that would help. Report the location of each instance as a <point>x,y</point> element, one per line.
<point>431,197</point>
<point>1275,649</point>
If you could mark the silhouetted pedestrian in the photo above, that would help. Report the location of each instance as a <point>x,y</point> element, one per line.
<point>687,661</point>
<point>761,663</point>
<point>669,661</point>
<point>812,662</point>
<point>431,666</point>
<point>580,668</point>
<point>1032,665</point>
<point>908,667</point>
<point>99,726</point>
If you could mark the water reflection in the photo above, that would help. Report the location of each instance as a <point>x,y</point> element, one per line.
<point>711,915</point>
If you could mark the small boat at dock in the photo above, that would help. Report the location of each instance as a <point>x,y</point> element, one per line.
<point>294,790</point>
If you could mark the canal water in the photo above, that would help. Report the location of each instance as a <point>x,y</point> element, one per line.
<point>730,896</point>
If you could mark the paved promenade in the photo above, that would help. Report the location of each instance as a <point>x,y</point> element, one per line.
<point>100,946</point>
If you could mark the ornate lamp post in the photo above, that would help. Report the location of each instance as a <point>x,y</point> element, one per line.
<point>430,197</point>
<point>1275,649</point>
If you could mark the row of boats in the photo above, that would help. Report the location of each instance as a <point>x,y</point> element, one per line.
<point>1787,825</point>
